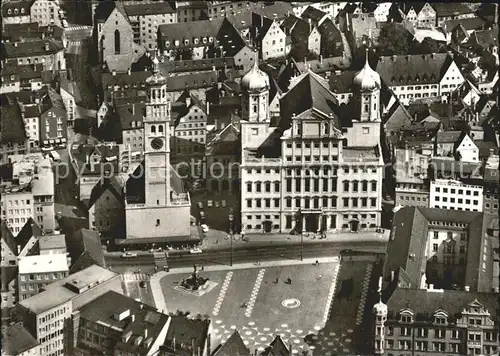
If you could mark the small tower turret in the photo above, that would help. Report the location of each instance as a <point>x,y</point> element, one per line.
<point>380,316</point>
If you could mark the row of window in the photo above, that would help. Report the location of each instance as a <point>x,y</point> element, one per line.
<point>459,200</point>
<point>315,185</point>
<point>267,187</point>
<point>460,191</point>
<point>324,158</point>
<point>453,208</point>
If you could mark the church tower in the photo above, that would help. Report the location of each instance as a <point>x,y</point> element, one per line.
<point>157,140</point>
<point>380,316</point>
<point>255,110</point>
<point>367,119</point>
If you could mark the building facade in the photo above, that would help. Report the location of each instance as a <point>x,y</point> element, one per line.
<point>45,12</point>
<point>452,194</point>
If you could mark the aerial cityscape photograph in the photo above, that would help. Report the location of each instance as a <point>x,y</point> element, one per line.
<point>249,178</point>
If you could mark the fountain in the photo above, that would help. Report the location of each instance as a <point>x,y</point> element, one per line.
<point>194,284</point>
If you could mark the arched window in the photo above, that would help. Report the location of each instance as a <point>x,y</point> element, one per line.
<point>160,129</point>
<point>366,107</point>
<point>255,109</point>
<point>153,129</point>
<point>325,129</point>
<point>117,42</point>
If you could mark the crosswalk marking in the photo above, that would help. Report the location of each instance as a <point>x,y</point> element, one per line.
<point>75,28</point>
<point>128,277</point>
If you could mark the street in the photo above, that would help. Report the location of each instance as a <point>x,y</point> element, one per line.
<point>176,259</point>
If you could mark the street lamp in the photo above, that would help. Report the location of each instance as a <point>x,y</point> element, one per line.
<point>297,217</point>
<point>231,219</point>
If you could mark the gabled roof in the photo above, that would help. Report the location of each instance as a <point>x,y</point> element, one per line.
<point>397,118</point>
<point>234,346</point>
<point>310,91</point>
<point>448,136</point>
<point>189,30</point>
<point>16,339</point>
<point>130,112</point>
<point>29,230</point>
<point>472,23</point>
<point>329,32</point>
<point>85,250</point>
<point>225,142</point>
<point>343,82</point>
<point>186,331</point>
<point>451,9</point>
<point>106,7</point>
<point>312,13</point>
<point>277,10</point>
<point>276,348</point>
<point>106,184</point>
<point>31,48</point>
<point>8,237</point>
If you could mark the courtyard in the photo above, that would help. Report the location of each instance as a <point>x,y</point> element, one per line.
<point>260,305</point>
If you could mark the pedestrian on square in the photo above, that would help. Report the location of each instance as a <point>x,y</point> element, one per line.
<point>277,280</point>
<point>317,263</point>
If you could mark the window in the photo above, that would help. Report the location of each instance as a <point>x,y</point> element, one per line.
<point>435,247</point>
<point>117,42</point>
<point>346,186</point>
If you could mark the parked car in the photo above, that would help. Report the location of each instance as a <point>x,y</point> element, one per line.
<point>142,284</point>
<point>195,250</point>
<point>129,255</point>
<point>200,205</point>
<point>204,228</point>
<point>223,203</point>
<point>210,203</point>
<point>217,204</point>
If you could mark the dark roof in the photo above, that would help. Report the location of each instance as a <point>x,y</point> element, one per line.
<point>30,31</point>
<point>229,38</point>
<point>343,82</point>
<point>277,10</point>
<point>130,112</point>
<point>184,331</point>
<point>189,30</point>
<point>313,14</point>
<point>329,32</point>
<point>448,136</point>
<point>149,8</point>
<point>226,142</point>
<point>31,48</point>
<point>276,348</point>
<point>16,5</point>
<point>408,241</point>
<point>413,69</point>
<point>8,274</point>
<point>425,303</point>
<point>108,157</point>
<point>451,9</point>
<point>104,185</point>
<point>397,118</point>
<point>472,23</point>
<point>106,7</point>
<point>13,129</point>
<point>309,92</point>
<point>104,309</point>
<point>234,346</point>
<point>197,65</point>
<point>450,165</point>
<point>85,250</point>
<point>135,185</point>
<point>8,237</point>
<point>29,230</point>
<point>16,340</point>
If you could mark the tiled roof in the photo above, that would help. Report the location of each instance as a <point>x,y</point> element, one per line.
<point>313,14</point>
<point>185,331</point>
<point>128,113</point>
<point>31,48</point>
<point>107,155</point>
<point>13,129</point>
<point>16,5</point>
<point>425,303</point>
<point>277,10</point>
<point>85,250</point>
<point>229,38</point>
<point>397,118</point>
<point>446,164</point>
<point>29,230</point>
<point>148,8</point>
<point>408,241</point>
<point>225,142</point>
<point>147,317</point>
<point>206,64</point>
<point>106,7</point>
<point>276,348</point>
<point>310,91</point>
<point>8,237</point>
<point>8,274</point>
<point>104,184</point>
<point>413,69</point>
<point>473,23</point>
<point>31,31</point>
<point>189,30</point>
<point>343,82</point>
<point>329,32</point>
<point>451,9</point>
<point>16,340</point>
<point>448,136</point>
<point>233,346</point>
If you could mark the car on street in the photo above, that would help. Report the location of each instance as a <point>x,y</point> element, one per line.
<point>217,204</point>
<point>200,205</point>
<point>129,255</point>
<point>223,203</point>
<point>142,284</point>
<point>204,228</point>
<point>210,203</point>
<point>195,250</point>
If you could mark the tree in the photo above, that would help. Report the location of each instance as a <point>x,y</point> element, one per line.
<point>182,54</point>
<point>393,39</point>
<point>428,45</point>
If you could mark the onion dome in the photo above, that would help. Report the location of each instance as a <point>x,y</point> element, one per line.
<point>380,308</point>
<point>255,79</point>
<point>367,78</point>
<point>156,78</point>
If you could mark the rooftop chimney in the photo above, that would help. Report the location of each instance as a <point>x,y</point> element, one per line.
<point>188,101</point>
<point>113,72</point>
<point>129,71</point>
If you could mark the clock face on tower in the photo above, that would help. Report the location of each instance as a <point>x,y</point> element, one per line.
<point>156,143</point>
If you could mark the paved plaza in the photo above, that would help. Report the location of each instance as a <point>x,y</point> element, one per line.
<point>260,305</point>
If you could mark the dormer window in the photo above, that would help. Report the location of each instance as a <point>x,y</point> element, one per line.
<point>9,11</point>
<point>440,320</point>
<point>167,43</point>
<point>16,11</point>
<point>22,10</point>
<point>177,43</point>
<point>186,42</point>
<point>196,41</point>
<point>406,317</point>
<point>204,40</point>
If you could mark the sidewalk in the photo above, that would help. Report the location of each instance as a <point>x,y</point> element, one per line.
<point>219,239</point>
